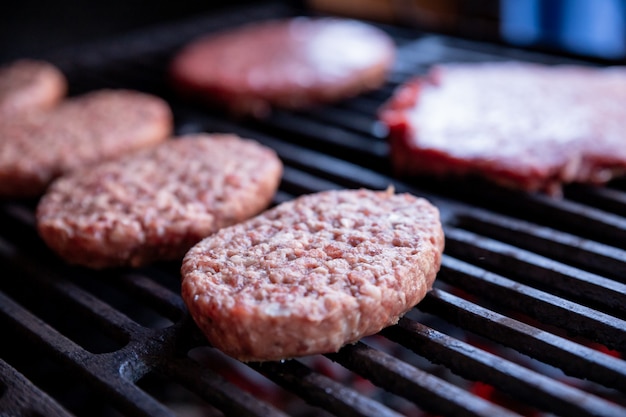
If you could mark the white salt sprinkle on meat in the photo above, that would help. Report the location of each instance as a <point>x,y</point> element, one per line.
<point>522,125</point>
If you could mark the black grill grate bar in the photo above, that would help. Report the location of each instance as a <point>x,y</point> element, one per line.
<point>325,136</point>
<point>320,390</point>
<point>21,397</point>
<point>561,214</point>
<point>319,163</point>
<point>529,267</point>
<point>300,182</point>
<point>115,372</point>
<point>215,389</point>
<point>362,104</point>
<point>142,286</point>
<point>101,371</point>
<point>583,218</point>
<point>116,324</point>
<point>544,240</point>
<point>427,390</point>
<point>573,358</point>
<point>359,123</point>
<point>518,381</point>
<point>545,307</point>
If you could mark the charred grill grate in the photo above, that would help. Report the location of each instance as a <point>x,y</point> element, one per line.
<point>527,317</point>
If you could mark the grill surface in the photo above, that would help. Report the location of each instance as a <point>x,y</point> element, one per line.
<point>528,315</point>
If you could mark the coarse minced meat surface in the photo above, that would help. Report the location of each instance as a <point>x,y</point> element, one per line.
<point>313,274</point>
<point>78,132</point>
<point>293,63</point>
<point>29,85</point>
<point>522,125</point>
<point>155,204</point>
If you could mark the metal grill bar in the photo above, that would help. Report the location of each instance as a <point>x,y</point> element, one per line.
<point>561,214</point>
<point>534,268</point>
<point>531,387</point>
<point>540,305</point>
<point>23,397</point>
<point>321,390</point>
<point>215,389</point>
<point>104,374</point>
<point>573,358</point>
<point>415,385</point>
<point>115,373</point>
<point>567,247</point>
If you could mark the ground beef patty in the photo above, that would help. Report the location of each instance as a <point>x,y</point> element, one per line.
<point>313,274</point>
<point>291,63</point>
<point>80,131</point>
<point>522,125</point>
<point>28,85</point>
<point>156,203</point>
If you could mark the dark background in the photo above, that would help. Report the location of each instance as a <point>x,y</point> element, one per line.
<point>33,27</point>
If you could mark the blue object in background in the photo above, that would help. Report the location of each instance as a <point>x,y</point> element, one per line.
<point>587,27</point>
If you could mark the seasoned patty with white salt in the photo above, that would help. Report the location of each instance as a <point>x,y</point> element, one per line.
<point>80,131</point>
<point>314,273</point>
<point>522,125</point>
<point>156,203</point>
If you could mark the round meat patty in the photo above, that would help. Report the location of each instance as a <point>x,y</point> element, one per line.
<point>156,203</point>
<point>29,85</point>
<point>521,125</point>
<point>293,63</point>
<point>313,274</point>
<point>80,131</point>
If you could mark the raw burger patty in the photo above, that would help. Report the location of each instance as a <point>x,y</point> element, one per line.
<point>313,274</point>
<point>79,132</point>
<point>291,63</point>
<point>521,125</point>
<point>27,85</point>
<point>156,203</point>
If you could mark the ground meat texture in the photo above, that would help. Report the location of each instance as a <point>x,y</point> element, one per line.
<point>79,132</point>
<point>155,204</point>
<point>521,125</point>
<point>28,85</point>
<point>293,63</point>
<point>313,274</point>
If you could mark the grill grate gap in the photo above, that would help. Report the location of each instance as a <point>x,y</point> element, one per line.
<point>583,253</point>
<point>519,381</point>
<point>432,393</point>
<point>233,384</point>
<point>546,347</point>
<point>176,397</point>
<point>19,394</point>
<point>68,319</point>
<point>540,272</point>
<point>544,307</point>
<point>332,394</point>
<point>146,303</point>
<point>67,390</point>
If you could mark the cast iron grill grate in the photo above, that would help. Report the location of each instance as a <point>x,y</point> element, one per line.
<point>527,317</point>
